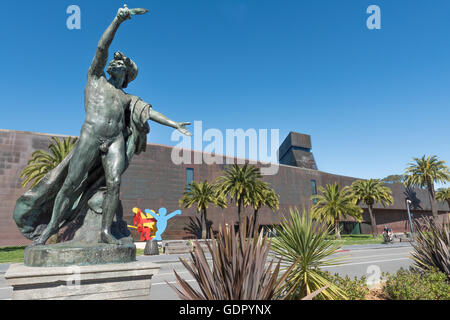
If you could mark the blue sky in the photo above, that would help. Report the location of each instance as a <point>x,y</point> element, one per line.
<point>370,99</point>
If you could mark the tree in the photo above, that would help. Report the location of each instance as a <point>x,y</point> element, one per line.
<point>335,203</point>
<point>263,196</point>
<point>424,173</point>
<point>238,183</point>
<point>201,194</point>
<point>393,178</point>
<point>370,192</point>
<point>43,162</point>
<point>442,195</point>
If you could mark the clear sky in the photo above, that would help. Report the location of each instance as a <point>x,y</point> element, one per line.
<point>370,99</point>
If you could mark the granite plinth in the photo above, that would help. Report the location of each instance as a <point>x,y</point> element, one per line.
<point>78,253</point>
<point>124,281</point>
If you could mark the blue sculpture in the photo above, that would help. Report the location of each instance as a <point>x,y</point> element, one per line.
<point>161,220</point>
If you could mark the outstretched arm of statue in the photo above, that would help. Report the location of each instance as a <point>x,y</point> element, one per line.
<point>101,55</point>
<point>162,119</point>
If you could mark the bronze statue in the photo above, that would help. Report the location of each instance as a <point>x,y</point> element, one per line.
<point>114,130</point>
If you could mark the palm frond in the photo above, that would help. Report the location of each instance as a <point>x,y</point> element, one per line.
<point>42,162</point>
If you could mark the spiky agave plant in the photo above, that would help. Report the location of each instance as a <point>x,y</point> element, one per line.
<point>302,246</point>
<point>238,270</point>
<point>432,247</point>
<point>43,162</point>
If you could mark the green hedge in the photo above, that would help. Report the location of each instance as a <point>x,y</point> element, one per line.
<point>414,285</point>
<point>355,289</point>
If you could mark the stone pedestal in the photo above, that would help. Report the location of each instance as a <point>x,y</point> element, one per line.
<point>78,253</point>
<point>123,281</point>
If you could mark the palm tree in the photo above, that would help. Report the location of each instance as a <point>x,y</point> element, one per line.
<point>370,192</point>
<point>201,194</point>
<point>43,162</point>
<point>424,173</point>
<point>238,183</point>
<point>442,195</point>
<point>263,196</point>
<point>334,204</point>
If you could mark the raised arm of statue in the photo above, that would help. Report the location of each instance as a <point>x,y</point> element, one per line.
<point>101,55</point>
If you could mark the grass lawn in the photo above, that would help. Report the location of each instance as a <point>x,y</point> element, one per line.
<point>11,254</point>
<point>15,254</point>
<point>349,239</point>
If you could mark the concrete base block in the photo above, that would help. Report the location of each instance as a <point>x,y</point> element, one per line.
<point>124,281</point>
<point>176,247</point>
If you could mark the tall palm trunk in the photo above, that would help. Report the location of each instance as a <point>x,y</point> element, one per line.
<point>239,213</point>
<point>433,201</point>
<point>255,222</point>
<point>203,218</point>
<point>373,222</point>
<point>337,230</point>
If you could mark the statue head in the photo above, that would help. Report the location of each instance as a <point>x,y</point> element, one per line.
<point>122,67</point>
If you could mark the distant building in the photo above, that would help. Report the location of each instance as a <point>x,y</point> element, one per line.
<point>153,181</point>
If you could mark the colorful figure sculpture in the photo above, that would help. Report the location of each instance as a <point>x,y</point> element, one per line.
<point>161,220</point>
<point>145,223</point>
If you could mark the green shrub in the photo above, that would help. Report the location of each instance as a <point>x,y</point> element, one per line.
<point>415,285</point>
<point>355,289</point>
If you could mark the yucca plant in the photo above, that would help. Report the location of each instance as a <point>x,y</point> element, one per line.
<point>43,162</point>
<point>239,269</point>
<point>432,247</point>
<point>303,249</point>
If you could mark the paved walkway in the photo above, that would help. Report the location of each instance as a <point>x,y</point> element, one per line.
<point>170,262</point>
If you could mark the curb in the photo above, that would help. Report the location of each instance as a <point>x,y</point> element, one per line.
<point>382,246</point>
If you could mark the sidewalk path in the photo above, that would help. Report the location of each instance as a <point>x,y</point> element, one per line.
<point>388,257</point>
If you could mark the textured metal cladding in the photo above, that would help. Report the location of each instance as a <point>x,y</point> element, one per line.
<point>153,181</point>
